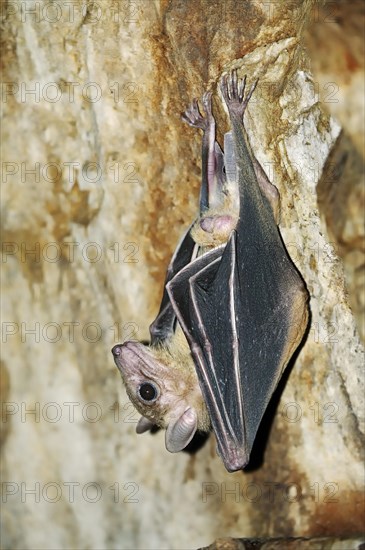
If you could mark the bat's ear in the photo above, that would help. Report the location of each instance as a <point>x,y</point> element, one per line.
<point>144,425</point>
<point>181,431</point>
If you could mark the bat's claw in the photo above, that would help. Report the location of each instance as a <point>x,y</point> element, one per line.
<point>195,118</point>
<point>233,92</point>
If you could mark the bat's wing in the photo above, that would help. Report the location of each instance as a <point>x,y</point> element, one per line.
<point>241,310</point>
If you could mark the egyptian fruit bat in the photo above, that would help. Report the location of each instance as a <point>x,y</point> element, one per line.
<point>234,306</point>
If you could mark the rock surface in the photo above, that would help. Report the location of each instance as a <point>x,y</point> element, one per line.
<point>291,543</point>
<point>100,179</point>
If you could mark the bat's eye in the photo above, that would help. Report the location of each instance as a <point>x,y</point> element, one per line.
<point>148,392</point>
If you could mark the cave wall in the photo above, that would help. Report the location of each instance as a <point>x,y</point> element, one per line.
<point>100,177</point>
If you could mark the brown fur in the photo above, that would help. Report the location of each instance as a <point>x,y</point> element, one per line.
<point>170,367</point>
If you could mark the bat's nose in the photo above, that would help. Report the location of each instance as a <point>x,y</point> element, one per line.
<point>117,350</point>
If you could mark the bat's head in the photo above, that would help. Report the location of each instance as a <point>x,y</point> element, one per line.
<point>163,386</point>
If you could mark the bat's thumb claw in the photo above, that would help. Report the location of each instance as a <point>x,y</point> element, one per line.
<point>234,457</point>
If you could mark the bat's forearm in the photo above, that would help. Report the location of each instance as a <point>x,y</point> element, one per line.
<point>208,167</point>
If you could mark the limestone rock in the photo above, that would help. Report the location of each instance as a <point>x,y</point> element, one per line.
<point>100,179</point>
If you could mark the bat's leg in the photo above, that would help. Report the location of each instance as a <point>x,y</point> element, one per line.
<point>269,190</point>
<point>253,179</point>
<point>233,90</point>
<point>212,156</point>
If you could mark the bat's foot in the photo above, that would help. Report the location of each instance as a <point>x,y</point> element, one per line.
<point>233,92</point>
<point>193,116</point>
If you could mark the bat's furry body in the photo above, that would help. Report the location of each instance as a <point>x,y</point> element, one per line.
<point>236,295</point>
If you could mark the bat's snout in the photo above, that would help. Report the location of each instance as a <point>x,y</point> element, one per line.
<point>133,358</point>
<point>125,354</point>
<point>117,350</point>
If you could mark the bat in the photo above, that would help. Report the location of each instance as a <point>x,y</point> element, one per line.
<point>234,306</point>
